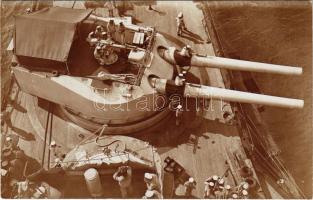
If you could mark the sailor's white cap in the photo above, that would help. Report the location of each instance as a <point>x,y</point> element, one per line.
<point>57,160</point>
<point>8,139</point>
<point>245,185</point>
<point>188,46</point>
<point>53,143</point>
<point>24,185</point>
<point>179,106</point>
<point>221,181</point>
<point>245,192</point>
<point>180,15</point>
<point>3,172</point>
<point>149,193</point>
<point>148,176</point>
<point>227,187</point>
<point>41,189</point>
<point>191,180</point>
<point>215,177</point>
<point>235,196</point>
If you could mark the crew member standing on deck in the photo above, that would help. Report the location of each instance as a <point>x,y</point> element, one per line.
<point>178,114</point>
<point>189,186</point>
<point>180,24</point>
<point>98,32</point>
<point>111,29</point>
<point>124,178</point>
<point>6,119</point>
<point>208,190</point>
<point>109,4</point>
<point>151,181</point>
<point>98,54</point>
<point>56,151</point>
<point>121,31</point>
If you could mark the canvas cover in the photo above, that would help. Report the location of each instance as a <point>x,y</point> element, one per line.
<point>48,33</point>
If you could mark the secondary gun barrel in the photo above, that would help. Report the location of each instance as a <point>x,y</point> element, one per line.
<point>201,91</point>
<point>173,56</point>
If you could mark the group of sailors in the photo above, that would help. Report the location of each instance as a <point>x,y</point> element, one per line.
<point>12,164</point>
<point>103,40</point>
<point>123,176</point>
<point>215,188</point>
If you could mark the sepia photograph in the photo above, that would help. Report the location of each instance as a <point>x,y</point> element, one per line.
<point>144,99</point>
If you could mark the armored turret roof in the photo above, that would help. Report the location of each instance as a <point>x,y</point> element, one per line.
<point>50,32</point>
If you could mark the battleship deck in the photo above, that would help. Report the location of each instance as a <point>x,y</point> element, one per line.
<point>198,144</point>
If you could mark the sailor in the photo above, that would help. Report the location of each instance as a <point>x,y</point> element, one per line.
<point>180,23</point>
<point>111,29</point>
<point>98,54</point>
<point>151,181</point>
<point>189,186</point>
<point>98,32</point>
<point>4,172</point>
<point>11,142</point>
<point>234,196</point>
<point>221,183</point>
<point>208,190</point>
<point>178,114</point>
<point>6,118</point>
<point>40,192</point>
<point>92,39</point>
<point>104,35</point>
<point>8,142</point>
<point>243,186</point>
<point>57,163</point>
<point>109,4</point>
<point>226,191</point>
<point>23,189</point>
<point>28,10</point>
<point>124,177</point>
<point>121,31</point>
<point>54,148</point>
<point>244,194</point>
<point>186,51</point>
<point>56,151</point>
<point>152,194</point>
<point>213,179</point>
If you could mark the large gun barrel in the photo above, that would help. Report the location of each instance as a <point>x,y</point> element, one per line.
<point>233,64</point>
<point>173,56</point>
<point>201,91</point>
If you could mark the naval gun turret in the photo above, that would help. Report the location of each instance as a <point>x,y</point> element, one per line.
<point>186,57</point>
<point>129,91</point>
